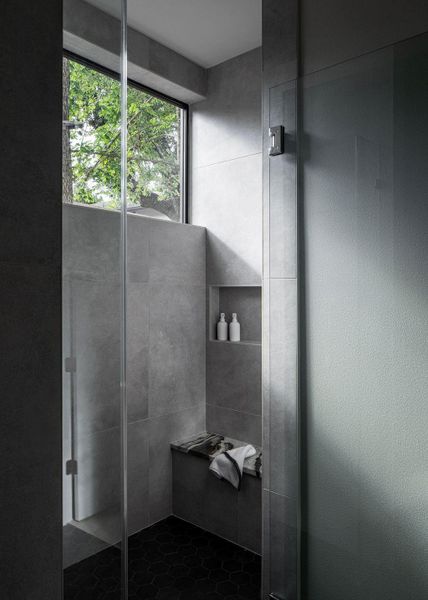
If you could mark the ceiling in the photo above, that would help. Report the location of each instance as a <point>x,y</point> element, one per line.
<point>207,32</point>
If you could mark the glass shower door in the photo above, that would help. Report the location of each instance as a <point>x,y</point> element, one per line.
<point>365,417</point>
<point>94,288</point>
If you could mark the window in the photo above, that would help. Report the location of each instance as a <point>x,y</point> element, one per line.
<point>91,144</point>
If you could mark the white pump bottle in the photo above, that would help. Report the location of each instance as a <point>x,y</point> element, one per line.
<point>222,329</point>
<point>234,329</point>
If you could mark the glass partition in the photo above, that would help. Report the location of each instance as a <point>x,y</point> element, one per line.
<point>94,288</point>
<point>365,418</point>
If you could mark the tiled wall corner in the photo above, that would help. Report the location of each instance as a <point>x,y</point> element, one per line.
<point>227,200</point>
<point>280,312</point>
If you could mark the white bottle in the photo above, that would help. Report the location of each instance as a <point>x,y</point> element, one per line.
<point>234,329</point>
<point>222,329</point>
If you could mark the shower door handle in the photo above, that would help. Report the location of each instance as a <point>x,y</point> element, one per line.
<point>276,135</point>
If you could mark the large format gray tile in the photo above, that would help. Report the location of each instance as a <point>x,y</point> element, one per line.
<point>96,333</point>
<point>98,482</point>
<point>280,540</point>
<point>235,424</point>
<point>91,239</point>
<point>137,350</point>
<point>138,248</point>
<point>163,431</point>
<point>281,428</point>
<point>200,498</point>
<point>234,376</point>
<point>280,41</point>
<point>250,514</point>
<point>91,244</point>
<point>340,31</point>
<point>138,475</point>
<point>282,185</point>
<point>227,201</point>
<point>177,348</point>
<point>177,253</point>
<point>227,124</point>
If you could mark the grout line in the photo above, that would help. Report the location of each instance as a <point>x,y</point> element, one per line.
<point>351,59</point>
<point>148,418</point>
<point>235,543</point>
<point>286,278</point>
<point>234,410</point>
<point>175,412</point>
<point>293,498</point>
<point>222,162</point>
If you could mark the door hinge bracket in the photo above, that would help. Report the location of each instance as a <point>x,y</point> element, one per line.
<point>276,136</point>
<point>70,364</point>
<point>71,467</point>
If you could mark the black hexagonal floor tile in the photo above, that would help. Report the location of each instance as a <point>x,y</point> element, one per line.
<point>172,560</point>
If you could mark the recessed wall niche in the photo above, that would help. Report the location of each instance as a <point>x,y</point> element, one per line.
<point>245,300</point>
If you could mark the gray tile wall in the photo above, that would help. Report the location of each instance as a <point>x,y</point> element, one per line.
<point>342,29</point>
<point>30,300</point>
<point>280,315</point>
<point>227,200</point>
<point>224,511</point>
<point>166,354</point>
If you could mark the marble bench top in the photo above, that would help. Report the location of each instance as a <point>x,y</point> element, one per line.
<point>208,445</point>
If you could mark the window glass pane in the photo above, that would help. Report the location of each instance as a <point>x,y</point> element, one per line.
<point>92,145</point>
<point>154,149</point>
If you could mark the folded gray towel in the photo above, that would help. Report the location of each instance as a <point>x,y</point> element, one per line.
<point>230,465</point>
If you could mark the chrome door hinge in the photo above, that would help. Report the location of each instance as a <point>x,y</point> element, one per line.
<point>71,467</point>
<point>70,364</point>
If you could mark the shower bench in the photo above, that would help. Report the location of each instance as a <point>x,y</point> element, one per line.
<point>213,504</point>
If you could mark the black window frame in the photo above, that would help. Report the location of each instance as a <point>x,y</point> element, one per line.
<point>184,166</point>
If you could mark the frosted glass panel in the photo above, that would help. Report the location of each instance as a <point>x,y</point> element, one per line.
<point>365,474</point>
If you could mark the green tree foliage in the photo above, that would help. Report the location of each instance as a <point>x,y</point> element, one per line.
<point>153,144</point>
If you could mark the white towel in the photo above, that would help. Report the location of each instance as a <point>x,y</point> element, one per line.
<point>230,465</point>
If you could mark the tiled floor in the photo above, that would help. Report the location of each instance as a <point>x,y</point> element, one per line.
<point>171,560</point>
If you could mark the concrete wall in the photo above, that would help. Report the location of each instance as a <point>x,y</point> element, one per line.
<point>30,300</point>
<point>366,248</point>
<point>166,354</point>
<point>93,34</point>
<point>226,199</point>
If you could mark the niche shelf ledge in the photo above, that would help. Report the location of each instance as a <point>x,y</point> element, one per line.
<point>240,343</point>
